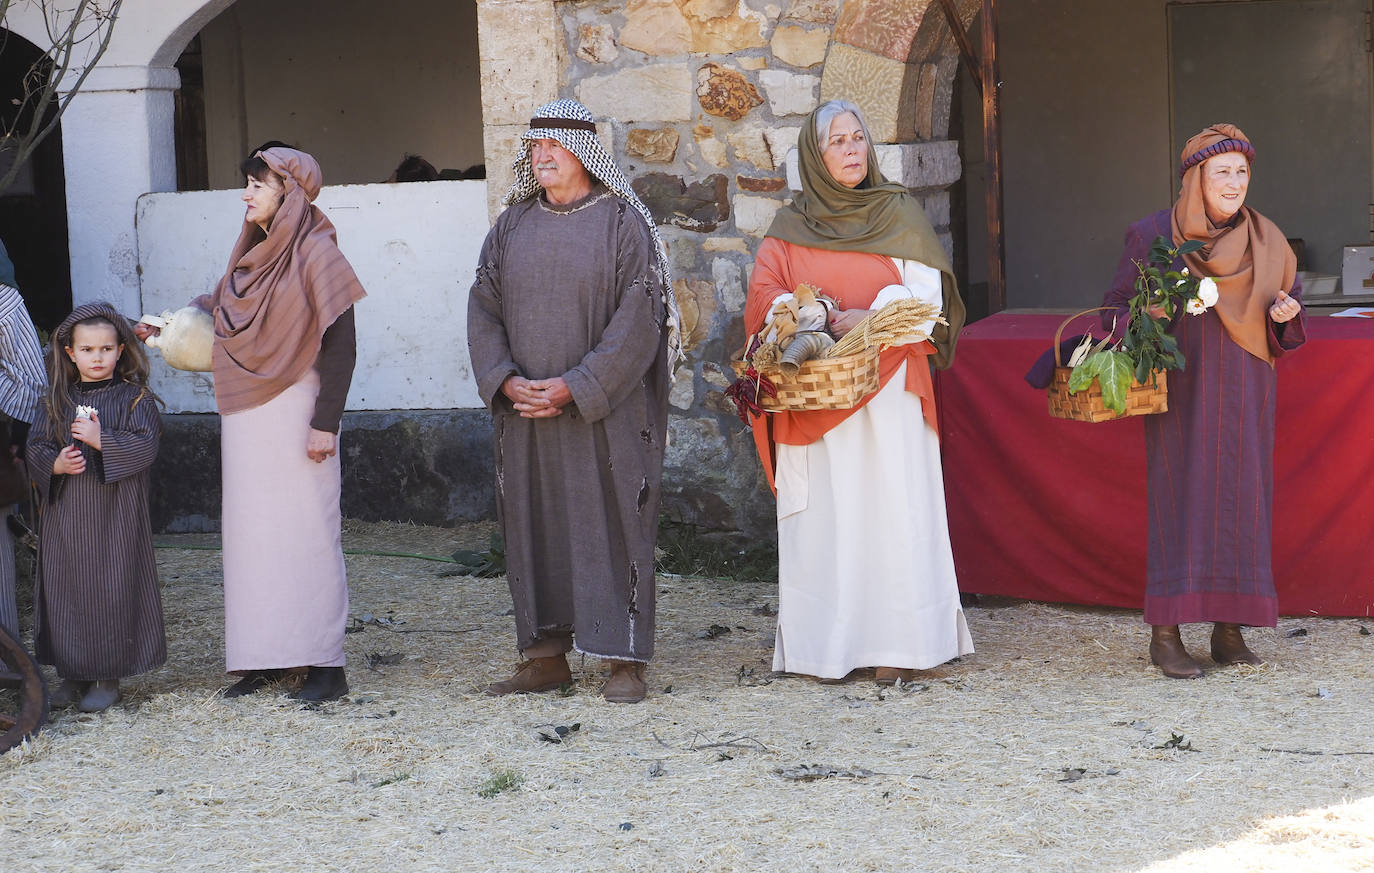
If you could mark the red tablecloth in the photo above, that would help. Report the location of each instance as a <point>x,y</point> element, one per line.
<point>1048,509</point>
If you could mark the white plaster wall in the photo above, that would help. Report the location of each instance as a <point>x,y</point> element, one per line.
<point>363,90</point>
<point>117,145</point>
<point>413,246</point>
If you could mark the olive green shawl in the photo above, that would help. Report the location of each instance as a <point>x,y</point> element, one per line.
<point>879,216</point>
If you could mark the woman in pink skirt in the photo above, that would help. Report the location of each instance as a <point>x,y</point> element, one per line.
<point>283,361</point>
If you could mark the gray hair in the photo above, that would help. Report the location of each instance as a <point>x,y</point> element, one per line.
<point>829,111</point>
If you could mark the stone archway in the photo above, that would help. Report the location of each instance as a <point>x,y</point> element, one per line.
<point>117,139</point>
<point>897,59</point>
<point>120,140</point>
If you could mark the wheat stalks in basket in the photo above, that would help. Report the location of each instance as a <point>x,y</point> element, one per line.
<point>894,325</point>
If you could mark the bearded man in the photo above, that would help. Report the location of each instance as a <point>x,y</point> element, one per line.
<point>571,328</point>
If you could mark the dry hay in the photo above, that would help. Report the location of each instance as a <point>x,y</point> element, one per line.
<point>1054,748</point>
<point>895,324</point>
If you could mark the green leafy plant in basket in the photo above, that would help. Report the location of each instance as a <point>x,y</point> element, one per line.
<point>1146,347</point>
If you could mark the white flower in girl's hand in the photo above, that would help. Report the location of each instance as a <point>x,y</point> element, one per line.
<point>86,412</point>
<point>1195,307</point>
<point>1207,292</point>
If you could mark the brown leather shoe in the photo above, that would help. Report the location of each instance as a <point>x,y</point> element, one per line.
<point>626,684</point>
<point>1167,652</point>
<point>890,675</point>
<point>1228,646</point>
<point>534,675</point>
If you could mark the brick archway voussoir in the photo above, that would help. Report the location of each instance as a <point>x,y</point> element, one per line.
<point>897,60</point>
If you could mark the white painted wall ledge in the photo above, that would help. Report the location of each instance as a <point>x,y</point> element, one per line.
<point>414,247</point>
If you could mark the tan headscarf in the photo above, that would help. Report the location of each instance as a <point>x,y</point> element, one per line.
<point>1249,258</point>
<point>280,292</point>
<point>879,216</point>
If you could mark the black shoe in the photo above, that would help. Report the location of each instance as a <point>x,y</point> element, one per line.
<point>323,683</point>
<point>252,682</point>
<point>68,693</point>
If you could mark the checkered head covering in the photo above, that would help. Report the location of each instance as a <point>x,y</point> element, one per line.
<point>571,125</point>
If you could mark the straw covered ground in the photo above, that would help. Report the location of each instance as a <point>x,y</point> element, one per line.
<point>1054,748</point>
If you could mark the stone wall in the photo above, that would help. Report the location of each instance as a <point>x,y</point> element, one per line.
<point>703,101</point>
<point>417,465</point>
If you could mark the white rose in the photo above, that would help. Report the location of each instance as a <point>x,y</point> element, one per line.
<point>1207,292</point>
<point>1195,307</point>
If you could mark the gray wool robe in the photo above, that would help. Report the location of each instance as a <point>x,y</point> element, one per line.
<point>99,608</point>
<point>571,291</point>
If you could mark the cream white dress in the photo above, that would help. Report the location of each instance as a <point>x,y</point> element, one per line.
<point>866,573</point>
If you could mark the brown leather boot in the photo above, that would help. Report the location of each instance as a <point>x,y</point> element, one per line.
<point>626,684</point>
<point>890,675</point>
<point>1228,646</point>
<point>1167,652</point>
<point>536,674</point>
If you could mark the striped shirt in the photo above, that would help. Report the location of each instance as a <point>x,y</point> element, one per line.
<point>22,375</point>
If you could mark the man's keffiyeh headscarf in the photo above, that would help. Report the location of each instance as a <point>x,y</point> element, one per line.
<point>571,125</point>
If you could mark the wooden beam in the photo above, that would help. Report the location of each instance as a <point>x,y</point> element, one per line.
<point>992,157</point>
<point>965,46</point>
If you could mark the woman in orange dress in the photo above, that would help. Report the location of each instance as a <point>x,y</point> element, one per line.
<point>866,574</point>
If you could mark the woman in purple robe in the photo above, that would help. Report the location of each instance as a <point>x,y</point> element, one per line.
<point>1210,457</point>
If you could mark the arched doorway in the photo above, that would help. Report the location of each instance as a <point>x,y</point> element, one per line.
<point>33,210</point>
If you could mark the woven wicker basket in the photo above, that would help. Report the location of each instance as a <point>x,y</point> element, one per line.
<point>822,383</point>
<point>1087,405</point>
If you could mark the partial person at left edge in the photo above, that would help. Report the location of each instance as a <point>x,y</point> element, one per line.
<point>283,357</point>
<point>22,381</point>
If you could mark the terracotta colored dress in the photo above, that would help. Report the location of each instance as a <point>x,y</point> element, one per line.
<point>1210,462</point>
<point>865,570</point>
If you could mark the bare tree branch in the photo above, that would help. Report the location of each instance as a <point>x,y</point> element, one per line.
<point>78,37</point>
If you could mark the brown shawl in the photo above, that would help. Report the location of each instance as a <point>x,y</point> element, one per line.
<point>280,293</point>
<point>1249,258</point>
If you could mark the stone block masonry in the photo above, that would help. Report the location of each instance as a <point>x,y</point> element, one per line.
<point>705,99</point>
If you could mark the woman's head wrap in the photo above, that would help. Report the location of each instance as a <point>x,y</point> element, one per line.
<point>571,125</point>
<point>63,334</point>
<point>280,293</point>
<point>1215,140</point>
<point>132,366</point>
<point>878,216</point>
<point>1248,256</point>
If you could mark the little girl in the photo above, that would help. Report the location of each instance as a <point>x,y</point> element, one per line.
<point>99,610</point>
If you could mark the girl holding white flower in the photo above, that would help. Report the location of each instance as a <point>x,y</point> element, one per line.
<point>1210,457</point>
<point>99,610</point>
